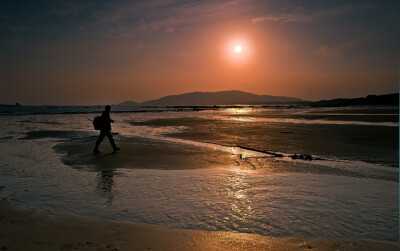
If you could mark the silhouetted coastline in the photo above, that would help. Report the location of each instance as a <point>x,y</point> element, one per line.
<point>387,99</point>
<point>371,100</point>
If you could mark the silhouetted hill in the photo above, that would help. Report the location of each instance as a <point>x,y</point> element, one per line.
<point>387,99</point>
<point>218,98</point>
<point>128,103</point>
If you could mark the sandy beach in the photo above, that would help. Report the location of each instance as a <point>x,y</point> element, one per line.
<point>31,230</point>
<point>189,183</point>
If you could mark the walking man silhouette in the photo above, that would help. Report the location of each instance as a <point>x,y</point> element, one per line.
<point>105,130</point>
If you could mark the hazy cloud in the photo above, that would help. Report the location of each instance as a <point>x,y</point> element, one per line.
<point>166,16</point>
<point>17,28</point>
<point>16,43</point>
<point>69,8</point>
<point>151,60</point>
<point>169,30</point>
<point>297,15</point>
<point>300,15</point>
<point>123,23</point>
<point>326,50</point>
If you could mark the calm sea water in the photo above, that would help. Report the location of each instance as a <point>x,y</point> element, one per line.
<point>363,141</point>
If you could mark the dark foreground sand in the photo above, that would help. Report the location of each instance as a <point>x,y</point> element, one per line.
<point>25,230</point>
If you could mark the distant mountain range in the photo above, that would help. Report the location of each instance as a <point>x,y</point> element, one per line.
<point>128,103</point>
<point>214,98</point>
<point>387,99</point>
<point>245,98</point>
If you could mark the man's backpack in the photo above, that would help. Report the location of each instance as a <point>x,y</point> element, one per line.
<point>98,122</point>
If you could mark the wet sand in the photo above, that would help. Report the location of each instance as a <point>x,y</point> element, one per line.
<point>141,153</point>
<point>32,230</point>
<point>147,154</point>
<point>26,230</point>
<point>373,144</point>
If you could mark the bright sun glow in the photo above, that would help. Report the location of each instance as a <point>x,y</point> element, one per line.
<point>238,49</point>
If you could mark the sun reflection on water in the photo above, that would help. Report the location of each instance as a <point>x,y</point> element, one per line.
<point>238,110</point>
<point>234,114</point>
<point>237,188</point>
<point>242,119</point>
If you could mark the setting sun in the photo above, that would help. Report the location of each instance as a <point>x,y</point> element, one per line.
<point>238,49</point>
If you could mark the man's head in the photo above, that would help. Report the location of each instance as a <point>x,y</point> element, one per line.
<point>108,108</point>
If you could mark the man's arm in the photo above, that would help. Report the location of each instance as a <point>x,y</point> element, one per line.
<point>108,117</point>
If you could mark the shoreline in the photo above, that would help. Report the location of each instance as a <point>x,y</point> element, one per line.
<point>56,187</point>
<point>30,230</point>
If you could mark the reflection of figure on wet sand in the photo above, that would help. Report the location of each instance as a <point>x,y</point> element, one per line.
<point>103,123</point>
<point>105,183</point>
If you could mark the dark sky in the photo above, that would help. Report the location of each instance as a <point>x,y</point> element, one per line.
<point>97,52</point>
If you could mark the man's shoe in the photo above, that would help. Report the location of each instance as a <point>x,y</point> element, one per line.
<point>96,151</point>
<point>117,149</point>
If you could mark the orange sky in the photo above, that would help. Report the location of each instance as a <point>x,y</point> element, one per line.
<point>142,51</point>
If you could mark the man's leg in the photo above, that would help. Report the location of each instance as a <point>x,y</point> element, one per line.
<point>99,139</point>
<point>110,137</point>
